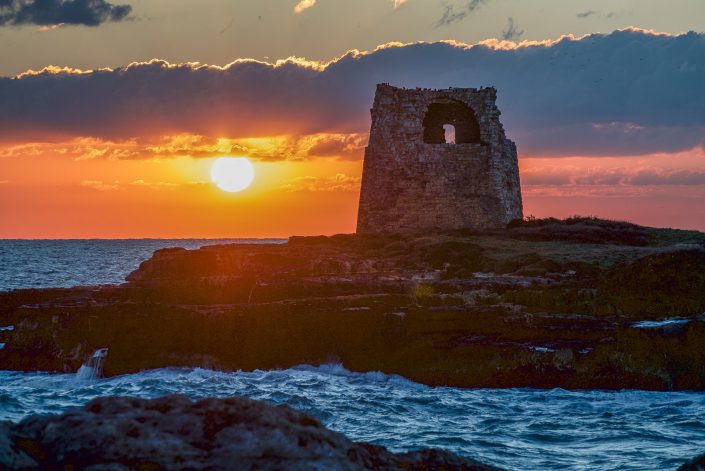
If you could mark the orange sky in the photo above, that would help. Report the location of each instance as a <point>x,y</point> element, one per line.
<point>87,188</point>
<point>52,195</point>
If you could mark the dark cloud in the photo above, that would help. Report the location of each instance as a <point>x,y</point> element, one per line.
<point>593,13</point>
<point>52,12</point>
<point>625,93</point>
<point>512,32</point>
<point>451,15</point>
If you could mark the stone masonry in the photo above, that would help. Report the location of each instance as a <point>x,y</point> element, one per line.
<point>414,181</point>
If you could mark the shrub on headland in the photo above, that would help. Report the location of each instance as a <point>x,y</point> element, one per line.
<point>581,229</point>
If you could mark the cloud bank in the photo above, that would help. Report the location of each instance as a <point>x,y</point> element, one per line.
<point>57,12</point>
<point>625,93</point>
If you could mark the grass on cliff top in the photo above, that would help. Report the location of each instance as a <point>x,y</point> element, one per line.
<point>579,229</point>
<point>574,230</point>
<point>592,230</point>
<point>583,240</point>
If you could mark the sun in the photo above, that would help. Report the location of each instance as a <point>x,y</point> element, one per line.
<point>232,174</point>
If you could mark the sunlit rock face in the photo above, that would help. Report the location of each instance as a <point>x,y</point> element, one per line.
<point>174,432</point>
<point>416,178</point>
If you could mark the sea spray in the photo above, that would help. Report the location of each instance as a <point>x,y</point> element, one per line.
<point>93,367</point>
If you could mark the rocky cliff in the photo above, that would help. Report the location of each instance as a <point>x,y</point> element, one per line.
<point>581,303</point>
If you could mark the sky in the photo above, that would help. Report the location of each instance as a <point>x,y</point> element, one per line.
<point>112,112</point>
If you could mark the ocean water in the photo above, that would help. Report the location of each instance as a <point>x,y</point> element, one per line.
<point>80,262</point>
<point>514,428</point>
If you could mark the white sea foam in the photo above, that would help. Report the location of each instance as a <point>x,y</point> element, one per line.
<point>93,367</point>
<point>662,323</point>
<point>543,349</point>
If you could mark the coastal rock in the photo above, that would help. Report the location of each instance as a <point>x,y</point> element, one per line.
<point>540,304</point>
<point>174,432</point>
<point>696,464</point>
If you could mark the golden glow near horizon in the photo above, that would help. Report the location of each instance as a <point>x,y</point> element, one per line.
<point>232,174</point>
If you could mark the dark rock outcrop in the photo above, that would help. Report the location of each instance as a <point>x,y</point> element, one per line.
<point>173,432</point>
<point>456,309</point>
<point>696,464</point>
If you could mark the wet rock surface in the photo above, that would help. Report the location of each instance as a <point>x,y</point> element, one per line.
<point>696,464</point>
<point>173,432</point>
<point>540,304</point>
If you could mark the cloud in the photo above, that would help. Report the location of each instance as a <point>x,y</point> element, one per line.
<point>82,148</point>
<point>99,185</point>
<point>512,32</point>
<point>620,176</point>
<point>593,13</point>
<point>304,5</point>
<point>269,148</point>
<point>678,177</point>
<point>451,15</point>
<point>340,145</point>
<point>156,185</point>
<point>44,29</point>
<point>624,93</point>
<point>338,182</point>
<point>60,12</point>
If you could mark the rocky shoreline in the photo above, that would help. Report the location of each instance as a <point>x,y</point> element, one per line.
<point>174,432</point>
<point>578,304</point>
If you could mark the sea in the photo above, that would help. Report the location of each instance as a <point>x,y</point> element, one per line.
<point>528,429</point>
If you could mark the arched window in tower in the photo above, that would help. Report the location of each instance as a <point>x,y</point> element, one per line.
<point>446,119</point>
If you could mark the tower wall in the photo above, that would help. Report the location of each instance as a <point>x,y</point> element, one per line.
<point>413,181</point>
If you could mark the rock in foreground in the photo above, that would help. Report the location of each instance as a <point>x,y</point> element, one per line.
<point>173,432</point>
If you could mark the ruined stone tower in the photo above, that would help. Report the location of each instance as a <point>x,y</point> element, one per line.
<point>414,180</point>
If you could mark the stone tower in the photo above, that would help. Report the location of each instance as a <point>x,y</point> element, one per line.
<point>413,180</point>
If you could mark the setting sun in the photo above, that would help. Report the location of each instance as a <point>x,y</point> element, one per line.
<point>232,174</point>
